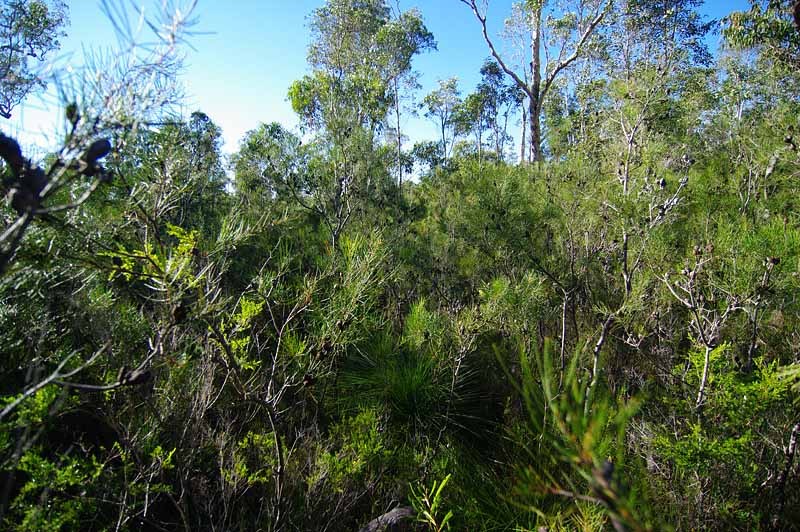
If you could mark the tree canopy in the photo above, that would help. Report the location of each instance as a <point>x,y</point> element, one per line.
<point>29,30</point>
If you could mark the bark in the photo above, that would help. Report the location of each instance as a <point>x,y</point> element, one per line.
<point>399,134</point>
<point>523,145</point>
<point>536,131</point>
<point>791,450</point>
<point>704,379</point>
<point>535,94</point>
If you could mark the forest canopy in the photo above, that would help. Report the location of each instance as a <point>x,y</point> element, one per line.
<point>576,307</point>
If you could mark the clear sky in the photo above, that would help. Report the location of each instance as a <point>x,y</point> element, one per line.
<point>252,50</point>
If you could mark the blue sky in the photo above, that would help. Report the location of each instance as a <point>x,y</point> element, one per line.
<point>250,51</point>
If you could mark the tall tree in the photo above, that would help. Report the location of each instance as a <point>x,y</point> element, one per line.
<point>403,37</point>
<point>357,53</point>
<point>268,158</point>
<point>470,116</point>
<point>29,30</point>
<point>440,107</point>
<point>663,34</point>
<point>566,30</point>
<point>501,99</point>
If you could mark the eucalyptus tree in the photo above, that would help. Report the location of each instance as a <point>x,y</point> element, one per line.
<point>470,116</point>
<point>29,30</point>
<point>501,98</point>
<point>358,56</point>
<point>486,112</point>
<point>555,36</point>
<point>441,106</point>
<point>269,158</point>
<point>403,37</point>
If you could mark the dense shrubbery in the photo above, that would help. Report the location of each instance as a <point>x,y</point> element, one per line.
<point>605,339</point>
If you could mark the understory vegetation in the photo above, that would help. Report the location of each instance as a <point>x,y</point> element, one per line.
<point>578,309</point>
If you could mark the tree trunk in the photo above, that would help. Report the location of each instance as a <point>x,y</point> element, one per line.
<point>480,144</point>
<point>399,136</point>
<point>444,139</point>
<point>536,131</point>
<point>535,90</point>
<point>523,145</point>
<point>781,483</point>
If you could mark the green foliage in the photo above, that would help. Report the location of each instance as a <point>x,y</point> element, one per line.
<point>606,338</point>
<point>253,461</point>
<point>428,505</point>
<point>31,30</point>
<point>724,442</point>
<point>441,106</point>
<point>67,475</point>
<point>358,450</point>
<point>409,385</point>
<point>575,441</point>
<point>767,25</point>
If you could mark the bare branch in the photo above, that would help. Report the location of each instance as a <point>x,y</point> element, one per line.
<point>482,19</point>
<point>52,378</point>
<point>576,52</point>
